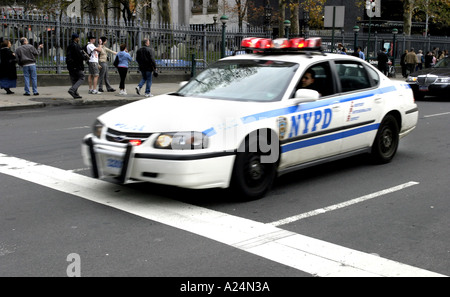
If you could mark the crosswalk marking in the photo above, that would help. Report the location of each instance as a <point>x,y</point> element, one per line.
<point>317,257</point>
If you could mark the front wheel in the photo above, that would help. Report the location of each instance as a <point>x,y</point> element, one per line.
<point>252,176</point>
<point>386,141</point>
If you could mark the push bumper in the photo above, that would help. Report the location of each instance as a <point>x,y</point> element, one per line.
<point>128,163</point>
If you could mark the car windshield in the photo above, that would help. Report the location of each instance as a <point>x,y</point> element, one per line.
<point>247,80</point>
<point>444,63</point>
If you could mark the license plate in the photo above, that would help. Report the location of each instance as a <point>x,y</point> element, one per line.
<point>423,88</point>
<point>112,165</point>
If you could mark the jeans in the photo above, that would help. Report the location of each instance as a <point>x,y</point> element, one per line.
<point>29,72</point>
<point>146,77</point>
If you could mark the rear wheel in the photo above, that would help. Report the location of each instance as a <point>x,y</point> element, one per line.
<point>386,141</point>
<point>252,176</point>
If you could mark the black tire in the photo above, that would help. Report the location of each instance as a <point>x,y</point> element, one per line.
<point>251,178</point>
<point>386,141</point>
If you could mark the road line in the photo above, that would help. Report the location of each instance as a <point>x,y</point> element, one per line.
<point>341,205</point>
<point>316,257</point>
<point>436,114</point>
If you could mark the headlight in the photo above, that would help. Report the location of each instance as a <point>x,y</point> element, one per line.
<point>443,80</point>
<point>97,128</point>
<point>411,79</point>
<point>181,141</point>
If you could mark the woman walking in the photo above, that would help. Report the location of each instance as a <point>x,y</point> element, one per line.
<point>124,59</point>
<point>8,73</point>
<point>103,62</point>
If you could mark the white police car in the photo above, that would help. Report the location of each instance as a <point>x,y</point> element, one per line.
<point>248,118</point>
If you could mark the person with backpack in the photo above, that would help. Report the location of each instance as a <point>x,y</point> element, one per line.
<point>94,68</point>
<point>75,57</point>
<point>145,57</point>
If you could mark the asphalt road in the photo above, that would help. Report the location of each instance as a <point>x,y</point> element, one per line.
<point>356,217</point>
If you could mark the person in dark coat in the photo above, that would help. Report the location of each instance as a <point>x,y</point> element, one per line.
<point>75,58</point>
<point>382,59</point>
<point>145,57</point>
<point>8,73</point>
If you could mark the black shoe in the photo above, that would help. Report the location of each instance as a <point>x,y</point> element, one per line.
<point>111,90</point>
<point>36,94</point>
<point>26,94</point>
<point>101,90</point>
<point>73,94</point>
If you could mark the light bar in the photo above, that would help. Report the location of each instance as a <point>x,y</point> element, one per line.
<point>261,44</point>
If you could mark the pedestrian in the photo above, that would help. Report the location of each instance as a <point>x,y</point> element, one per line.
<point>75,57</point>
<point>26,57</point>
<point>8,61</point>
<point>403,63</point>
<point>382,59</point>
<point>124,59</point>
<point>145,56</point>
<point>94,69</point>
<point>420,59</point>
<point>411,61</point>
<point>104,67</point>
<point>340,47</point>
<point>428,59</point>
<point>360,53</point>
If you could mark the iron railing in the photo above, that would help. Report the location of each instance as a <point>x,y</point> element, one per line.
<point>177,47</point>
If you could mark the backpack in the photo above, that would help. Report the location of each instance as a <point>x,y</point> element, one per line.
<point>116,61</point>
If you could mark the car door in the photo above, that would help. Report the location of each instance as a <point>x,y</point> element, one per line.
<point>312,131</point>
<point>359,102</point>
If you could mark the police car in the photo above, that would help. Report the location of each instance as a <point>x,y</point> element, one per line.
<point>249,118</point>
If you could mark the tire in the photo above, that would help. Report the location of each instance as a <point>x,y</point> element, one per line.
<point>251,178</point>
<point>386,141</point>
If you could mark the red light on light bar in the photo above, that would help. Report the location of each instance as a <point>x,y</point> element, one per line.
<point>314,42</point>
<point>257,43</point>
<point>297,43</point>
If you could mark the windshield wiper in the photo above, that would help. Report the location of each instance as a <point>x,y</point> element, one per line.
<point>176,94</point>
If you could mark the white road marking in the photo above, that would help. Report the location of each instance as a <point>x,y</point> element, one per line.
<point>307,254</point>
<point>436,114</point>
<point>341,205</point>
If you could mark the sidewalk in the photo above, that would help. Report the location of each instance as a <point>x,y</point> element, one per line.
<point>58,95</point>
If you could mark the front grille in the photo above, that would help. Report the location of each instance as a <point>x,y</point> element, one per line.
<point>125,137</point>
<point>424,80</point>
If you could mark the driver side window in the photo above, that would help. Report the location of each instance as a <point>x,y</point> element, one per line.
<point>318,78</point>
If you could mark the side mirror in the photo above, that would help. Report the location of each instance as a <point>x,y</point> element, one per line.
<point>305,95</point>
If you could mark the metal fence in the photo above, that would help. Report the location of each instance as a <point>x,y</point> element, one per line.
<point>177,47</point>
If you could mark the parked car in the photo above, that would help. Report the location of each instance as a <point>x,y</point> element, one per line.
<point>249,118</point>
<point>433,81</point>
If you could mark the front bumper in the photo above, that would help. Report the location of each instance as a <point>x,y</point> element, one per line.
<point>432,90</point>
<point>128,163</point>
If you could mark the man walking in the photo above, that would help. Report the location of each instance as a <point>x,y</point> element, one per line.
<point>94,70</point>
<point>26,55</point>
<point>382,59</point>
<point>75,58</point>
<point>145,57</point>
<point>411,61</point>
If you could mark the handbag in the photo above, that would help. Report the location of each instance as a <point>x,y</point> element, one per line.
<point>116,62</point>
<point>155,74</point>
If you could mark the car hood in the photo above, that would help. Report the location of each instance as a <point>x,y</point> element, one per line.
<point>169,113</point>
<point>434,71</point>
